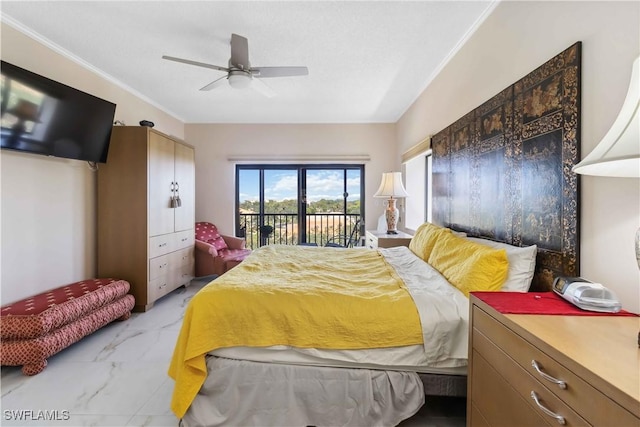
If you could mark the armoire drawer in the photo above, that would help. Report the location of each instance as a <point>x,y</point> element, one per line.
<point>183,274</point>
<point>182,257</point>
<point>184,239</point>
<point>159,266</point>
<point>160,245</point>
<point>160,286</point>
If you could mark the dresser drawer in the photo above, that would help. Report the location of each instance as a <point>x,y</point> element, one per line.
<point>184,239</point>
<point>181,257</point>
<point>160,245</point>
<point>494,401</point>
<point>183,274</point>
<point>159,287</point>
<point>522,382</point>
<point>159,266</point>
<point>595,407</point>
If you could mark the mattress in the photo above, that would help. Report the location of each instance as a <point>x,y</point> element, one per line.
<point>406,358</point>
<point>442,353</point>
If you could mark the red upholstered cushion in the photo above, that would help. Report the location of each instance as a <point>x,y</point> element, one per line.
<point>35,316</point>
<point>207,232</point>
<point>33,352</point>
<point>234,254</point>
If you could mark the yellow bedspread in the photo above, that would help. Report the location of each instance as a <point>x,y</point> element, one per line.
<point>299,296</point>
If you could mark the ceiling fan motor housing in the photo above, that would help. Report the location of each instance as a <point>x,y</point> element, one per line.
<point>239,79</point>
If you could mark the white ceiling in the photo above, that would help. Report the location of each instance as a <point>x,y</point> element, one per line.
<point>367,60</point>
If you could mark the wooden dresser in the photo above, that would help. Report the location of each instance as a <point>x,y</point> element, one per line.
<point>582,370</point>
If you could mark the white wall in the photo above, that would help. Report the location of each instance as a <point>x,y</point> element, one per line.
<point>515,39</point>
<point>215,143</point>
<point>48,205</point>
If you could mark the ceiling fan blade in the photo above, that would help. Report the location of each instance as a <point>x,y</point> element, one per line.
<point>214,84</point>
<point>262,72</point>
<point>239,52</point>
<point>261,87</point>
<point>197,64</point>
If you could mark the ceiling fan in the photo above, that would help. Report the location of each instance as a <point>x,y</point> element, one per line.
<point>240,73</point>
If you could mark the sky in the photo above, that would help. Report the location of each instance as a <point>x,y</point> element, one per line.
<point>283,184</point>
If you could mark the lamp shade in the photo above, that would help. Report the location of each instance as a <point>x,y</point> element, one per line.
<point>391,186</point>
<point>618,154</point>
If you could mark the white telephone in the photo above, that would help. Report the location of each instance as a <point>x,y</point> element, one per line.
<point>586,295</point>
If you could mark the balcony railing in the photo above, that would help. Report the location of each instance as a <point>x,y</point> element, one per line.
<point>283,229</point>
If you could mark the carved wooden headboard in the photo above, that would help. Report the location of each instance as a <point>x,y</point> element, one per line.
<point>503,171</point>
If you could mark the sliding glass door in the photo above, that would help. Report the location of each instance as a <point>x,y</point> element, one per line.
<point>293,204</point>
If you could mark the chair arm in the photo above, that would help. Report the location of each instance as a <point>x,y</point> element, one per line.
<point>205,247</point>
<point>234,242</point>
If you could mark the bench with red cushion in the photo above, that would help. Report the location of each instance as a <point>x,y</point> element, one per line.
<point>35,328</point>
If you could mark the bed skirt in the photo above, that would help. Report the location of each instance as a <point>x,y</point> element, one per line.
<point>243,393</point>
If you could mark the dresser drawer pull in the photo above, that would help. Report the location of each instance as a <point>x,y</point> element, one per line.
<point>559,418</point>
<point>548,377</point>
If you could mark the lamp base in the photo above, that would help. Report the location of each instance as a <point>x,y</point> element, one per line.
<point>391,215</point>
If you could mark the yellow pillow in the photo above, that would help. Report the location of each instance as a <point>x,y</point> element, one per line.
<point>469,266</point>
<point>425,238</point>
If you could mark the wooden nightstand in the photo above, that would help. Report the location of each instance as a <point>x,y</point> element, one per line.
<point>377,239</point>
<point>582,370</point>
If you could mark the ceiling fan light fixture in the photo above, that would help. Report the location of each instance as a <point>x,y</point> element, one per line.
<point>239,73</point>
<point>239,79</point>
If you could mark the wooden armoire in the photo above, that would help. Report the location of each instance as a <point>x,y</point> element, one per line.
<point>146,212</point>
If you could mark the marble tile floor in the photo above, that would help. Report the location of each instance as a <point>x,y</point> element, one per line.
<point>117,376</point>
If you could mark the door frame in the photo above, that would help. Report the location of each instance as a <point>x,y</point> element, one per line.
<point>301,195</point>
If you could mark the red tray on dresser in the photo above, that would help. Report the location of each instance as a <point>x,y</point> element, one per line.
<point>537,303</point>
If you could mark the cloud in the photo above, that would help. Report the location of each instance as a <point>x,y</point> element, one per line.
<point>321,184</point>
<point>327,182</point>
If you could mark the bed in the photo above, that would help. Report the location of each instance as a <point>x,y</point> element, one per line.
<point>405,329</point>
<point>299,335</point>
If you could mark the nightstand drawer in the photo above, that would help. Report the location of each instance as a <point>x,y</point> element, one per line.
<point>372,241</point>
<point>523,383</point>
<point>495,403</point>
<point>594,406</point>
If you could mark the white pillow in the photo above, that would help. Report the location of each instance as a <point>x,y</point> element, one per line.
<point>522,264</point>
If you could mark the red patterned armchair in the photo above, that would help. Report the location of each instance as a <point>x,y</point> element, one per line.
<point>216,253</point>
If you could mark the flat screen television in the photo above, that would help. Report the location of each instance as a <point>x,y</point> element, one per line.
<point>46,117</point>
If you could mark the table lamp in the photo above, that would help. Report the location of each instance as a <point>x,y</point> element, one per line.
<point>618,154</point>
<point>391,186</point>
